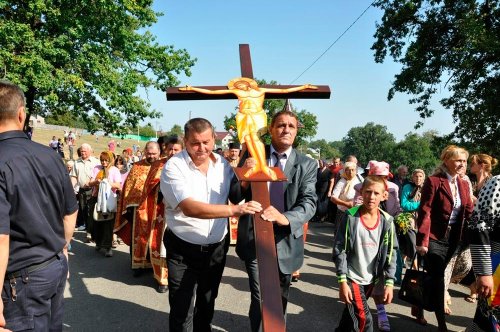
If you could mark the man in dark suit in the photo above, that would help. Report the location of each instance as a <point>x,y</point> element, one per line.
<point>299,206</point>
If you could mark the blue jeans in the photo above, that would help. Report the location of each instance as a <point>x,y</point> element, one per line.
<point>39,301</point>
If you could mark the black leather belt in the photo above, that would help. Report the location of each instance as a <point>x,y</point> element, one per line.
<point>32,268</point>
<point>195,247</point>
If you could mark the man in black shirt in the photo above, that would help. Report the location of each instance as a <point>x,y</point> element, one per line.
<point>38,211</point>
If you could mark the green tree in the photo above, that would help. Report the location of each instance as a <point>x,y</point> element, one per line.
<point>326,150</point>
<point>414,151</point>
<point>451,45</point>
<point>176,130</point>
<point>66,119</point>
<point>147,131</point>
<point>338,146</point>
<point>308,127</point>
<point>371,142</point>
<point>88,58</point>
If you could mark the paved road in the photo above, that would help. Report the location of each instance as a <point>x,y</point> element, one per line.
<point>102,294</point>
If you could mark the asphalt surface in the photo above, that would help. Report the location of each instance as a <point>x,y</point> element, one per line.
<point>103,295</point>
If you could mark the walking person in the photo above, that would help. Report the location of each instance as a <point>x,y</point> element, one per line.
<point>444,206</point>
<point>343,193</point>
<point>484,232</point>
<point>37,219</point>
<point>364,253</point>
<point>410,201</point>
<point>80,177</point>
<point>195,185</point>
<point>299,198</point>
<point>104,221</point>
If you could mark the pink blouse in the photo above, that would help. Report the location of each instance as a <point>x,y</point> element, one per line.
<point>114,176</point>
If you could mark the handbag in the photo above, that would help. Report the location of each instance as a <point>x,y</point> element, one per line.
<point>322,207</point>
<point>416,287</point>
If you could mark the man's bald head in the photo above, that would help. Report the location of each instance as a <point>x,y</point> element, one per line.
<point>152,151</point>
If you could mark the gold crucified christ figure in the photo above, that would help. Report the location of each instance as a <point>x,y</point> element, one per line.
<point>251,120</point>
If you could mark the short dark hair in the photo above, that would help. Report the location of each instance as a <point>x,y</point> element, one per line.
<point>198,125</point>
<point>120,160</point>
<point>11,98</point>
<point>174,140</point>
<point>234,145</point>
<point>284,112</point>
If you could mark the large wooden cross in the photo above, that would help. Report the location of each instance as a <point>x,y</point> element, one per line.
<point>323,91</point>
<point>271,304</point>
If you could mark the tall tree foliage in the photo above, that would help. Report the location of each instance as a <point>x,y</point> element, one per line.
<point>371,142</point>
<point>176,130</point>
<point>326,150</point>
<point>447,44</point>
<point>87,57</point>
<point>309,123</point>
<point>414,151</point>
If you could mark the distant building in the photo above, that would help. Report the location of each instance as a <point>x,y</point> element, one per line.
<point>37,121</point>
<point>224,137</point>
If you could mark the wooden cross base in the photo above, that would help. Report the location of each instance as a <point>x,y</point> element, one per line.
<point>273,319</point>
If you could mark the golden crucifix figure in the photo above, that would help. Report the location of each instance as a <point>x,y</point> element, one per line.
<point>251,120</point>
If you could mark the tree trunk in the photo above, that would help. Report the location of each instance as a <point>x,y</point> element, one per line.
<point>30,102</point>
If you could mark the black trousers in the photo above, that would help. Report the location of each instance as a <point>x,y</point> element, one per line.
<point>194,275</point>
<point>103,233</point>
<point>84,210</point>
<point>437,258</point>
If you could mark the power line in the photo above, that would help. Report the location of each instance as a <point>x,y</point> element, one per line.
<point>334,42</point>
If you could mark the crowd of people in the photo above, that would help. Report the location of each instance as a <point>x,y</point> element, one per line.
<point>432,217</point>
<point>170,203</point>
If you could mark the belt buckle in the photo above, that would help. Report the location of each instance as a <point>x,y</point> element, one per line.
<point>204,248</point>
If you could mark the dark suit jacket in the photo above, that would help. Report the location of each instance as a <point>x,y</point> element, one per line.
<point>300,206</point>
<point>436,205</point>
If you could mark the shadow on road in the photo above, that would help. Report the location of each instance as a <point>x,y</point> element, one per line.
<point>90,305</point>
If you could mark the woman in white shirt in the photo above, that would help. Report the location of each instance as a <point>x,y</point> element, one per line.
<point>343,193</point>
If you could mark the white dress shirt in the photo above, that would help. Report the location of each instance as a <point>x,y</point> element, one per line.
<point>181,179</point>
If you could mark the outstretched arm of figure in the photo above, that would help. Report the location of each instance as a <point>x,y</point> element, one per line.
<point>205,91</point>
<point>297,88</point>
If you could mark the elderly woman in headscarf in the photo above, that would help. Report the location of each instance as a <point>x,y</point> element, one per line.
<point>102,232</point>
<point>343,193</point>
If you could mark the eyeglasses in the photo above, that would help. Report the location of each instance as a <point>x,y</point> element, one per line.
<point>104,160</point>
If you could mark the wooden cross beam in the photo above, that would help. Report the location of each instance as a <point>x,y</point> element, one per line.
<point>271,304</point>
<point>323,91</point>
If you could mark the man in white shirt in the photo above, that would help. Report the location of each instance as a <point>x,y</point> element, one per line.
<point>80,176</point>
<point>195,185</point>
